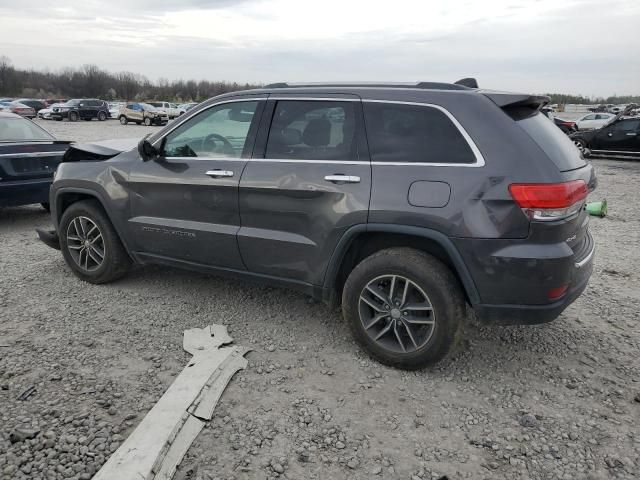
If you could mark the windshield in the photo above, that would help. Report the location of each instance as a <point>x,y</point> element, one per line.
<point>20,129</point>
<point>558,147</point>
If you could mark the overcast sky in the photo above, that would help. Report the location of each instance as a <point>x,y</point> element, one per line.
<point>589,47</point>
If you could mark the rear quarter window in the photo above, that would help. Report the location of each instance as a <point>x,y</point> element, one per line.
<point>555,144</point>
<point>414,134</point>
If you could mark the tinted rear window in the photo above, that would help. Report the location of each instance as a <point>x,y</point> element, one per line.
<point>412,133</point>
<point>555,144</point>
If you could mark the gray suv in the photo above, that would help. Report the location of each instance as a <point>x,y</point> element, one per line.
<point>402,203</point>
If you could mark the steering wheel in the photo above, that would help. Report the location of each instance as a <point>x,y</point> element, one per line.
<point>212,138</point>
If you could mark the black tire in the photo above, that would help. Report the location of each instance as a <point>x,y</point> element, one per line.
<point>46,206</point>
<point>116,263</point>
<point>580,143</point>
<point>102,116</point>
<point>442,290</point>
<point>73,116</point>
<point>148,121</point>
<point>123,120</point>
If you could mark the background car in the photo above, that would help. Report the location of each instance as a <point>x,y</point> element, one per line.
<point>593,120</point>
<point>34,103</point>
<point>567,126</point>
<point>187,106</point>
<point>114,109</point>
<point>622,134</point>
<point>171,109</point>
<point>28,157</point>
<point>82,108</point>
<point>142,113</point>
<point>45,113</point>
<point>18,108</point>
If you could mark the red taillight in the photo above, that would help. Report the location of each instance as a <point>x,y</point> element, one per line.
<point>557,292</point>
<point>548,195</point>
<point>549,201</point>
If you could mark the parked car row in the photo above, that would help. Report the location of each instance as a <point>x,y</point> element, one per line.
<point>621,133</point>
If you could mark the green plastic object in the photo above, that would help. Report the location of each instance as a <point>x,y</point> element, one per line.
<point>598,209</point>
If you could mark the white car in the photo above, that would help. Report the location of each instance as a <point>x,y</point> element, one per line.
<point>45,113</point>
<point>114,109</point>
<point>593,121</point>
<point>172,109</point>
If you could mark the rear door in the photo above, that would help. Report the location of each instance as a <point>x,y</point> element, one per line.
<point>308,182</point>
<point>184,205</point>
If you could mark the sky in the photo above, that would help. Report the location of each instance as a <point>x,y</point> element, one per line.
<point>588,47</point>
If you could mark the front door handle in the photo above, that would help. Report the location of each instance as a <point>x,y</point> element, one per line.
<point>631,134</point>
<point>338,178</point>
<point>220,173</point>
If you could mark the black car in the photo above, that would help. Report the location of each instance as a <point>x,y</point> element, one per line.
<point>28,157</point>
<point>401,202</point>
<point>620,135</point>
<point>83,108</point>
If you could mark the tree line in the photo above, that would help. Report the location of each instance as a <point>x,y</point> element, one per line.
<point>90,81</point>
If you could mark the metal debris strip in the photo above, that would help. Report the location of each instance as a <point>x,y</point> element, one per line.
<point>156,447</point>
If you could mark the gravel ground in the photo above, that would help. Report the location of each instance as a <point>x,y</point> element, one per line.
<point>558,401</point>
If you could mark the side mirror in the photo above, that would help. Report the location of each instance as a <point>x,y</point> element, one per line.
<point>147,151</point>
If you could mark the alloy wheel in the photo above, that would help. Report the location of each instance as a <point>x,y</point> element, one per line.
<point>396,313</point>
<point>85,243</point>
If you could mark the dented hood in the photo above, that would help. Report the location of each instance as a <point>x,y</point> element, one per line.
<point>102,150</point>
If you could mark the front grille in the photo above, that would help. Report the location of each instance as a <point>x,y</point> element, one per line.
<point>582,248</point>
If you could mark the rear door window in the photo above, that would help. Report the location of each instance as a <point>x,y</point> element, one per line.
<point>313,130</point>
<point>414,134</point>
<point>555,144</point>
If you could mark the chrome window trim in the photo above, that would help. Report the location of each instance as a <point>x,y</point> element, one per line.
<point>184,120</point>
<point>480,161</point>
<point>474,148</point>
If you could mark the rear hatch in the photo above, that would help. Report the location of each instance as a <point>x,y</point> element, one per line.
<point>30,161</point>
<point>573,168</point>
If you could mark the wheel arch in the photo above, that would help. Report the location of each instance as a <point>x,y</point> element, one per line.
<point>360,241</point>
<point>65,197</point>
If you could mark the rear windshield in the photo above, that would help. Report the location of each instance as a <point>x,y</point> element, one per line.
<point>558,147</point>
<point>12,129</point>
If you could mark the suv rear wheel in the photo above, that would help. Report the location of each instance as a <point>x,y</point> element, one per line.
<point>404,307</point>
<point>102,116</point>
<point>90,245</point>
<point>123,120</point>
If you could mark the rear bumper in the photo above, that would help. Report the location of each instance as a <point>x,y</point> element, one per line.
<point>515,281</point>
<point>531,314</point>
<point>24,192</point>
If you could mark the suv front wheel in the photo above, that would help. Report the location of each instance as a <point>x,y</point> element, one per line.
<point>404,307</point>
<point>90,244</point>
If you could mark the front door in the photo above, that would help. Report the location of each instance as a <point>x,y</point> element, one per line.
<point>308,182</point>
<point>185,204</point>
<point>622,135</point>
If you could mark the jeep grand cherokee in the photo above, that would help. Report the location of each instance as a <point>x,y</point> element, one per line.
<point>402,203</point>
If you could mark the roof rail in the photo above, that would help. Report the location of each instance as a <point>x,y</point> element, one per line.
<point>422,85</point>
<point>468,82</point>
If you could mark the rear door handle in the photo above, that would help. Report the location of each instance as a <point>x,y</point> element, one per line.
<point>220,173</point>
<point>338,178</point>
<point>631,134</point>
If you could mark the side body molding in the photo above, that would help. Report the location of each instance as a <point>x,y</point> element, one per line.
<point>441,239</point>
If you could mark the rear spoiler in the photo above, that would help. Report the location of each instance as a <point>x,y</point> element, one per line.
<point>517,105</point>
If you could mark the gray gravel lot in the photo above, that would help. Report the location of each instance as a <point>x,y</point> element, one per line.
<point>557,401</point>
